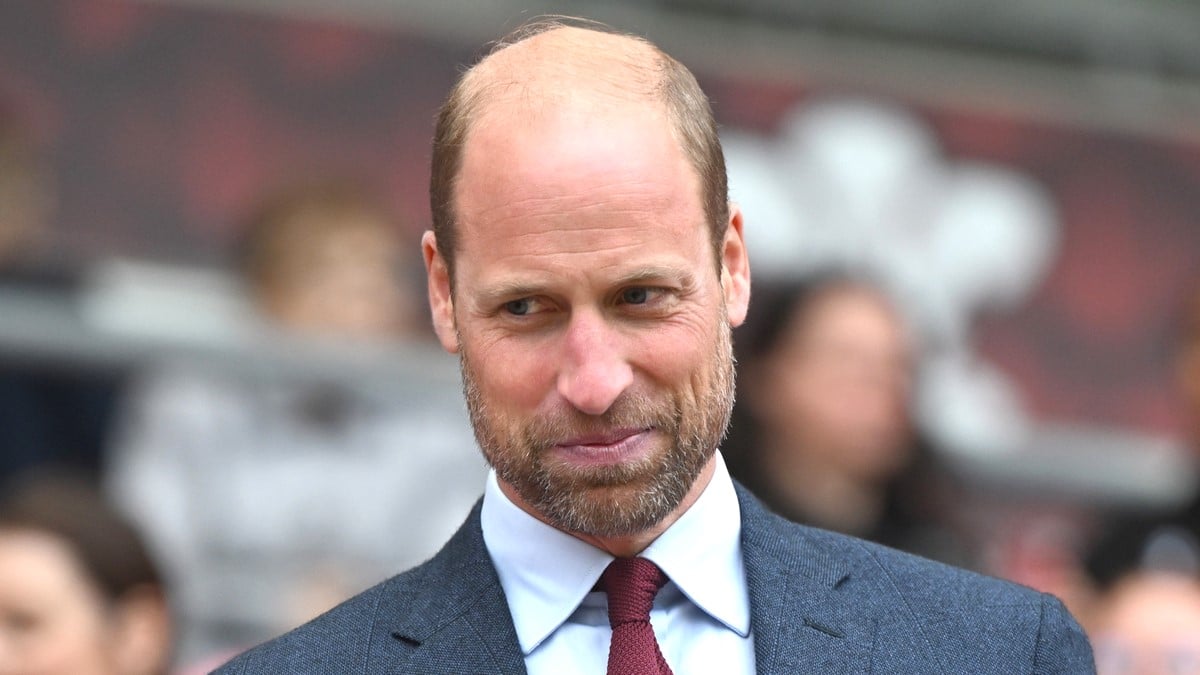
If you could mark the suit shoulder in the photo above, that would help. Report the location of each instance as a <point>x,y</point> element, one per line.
<point>818,551</point>
<point>955,608</point>
<point>382,624</point>
<point>338,640</point>
<point>938,583</point>
<point>921,615</point>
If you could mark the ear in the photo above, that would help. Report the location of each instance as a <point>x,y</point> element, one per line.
<point>441,302</point>
<point>143,631</point>
<point>735,269</point>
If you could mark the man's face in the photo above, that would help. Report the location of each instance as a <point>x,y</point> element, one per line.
<point>591,317</point>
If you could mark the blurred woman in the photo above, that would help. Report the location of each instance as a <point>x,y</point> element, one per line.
<point>78,593</point>
<point>823,432</point>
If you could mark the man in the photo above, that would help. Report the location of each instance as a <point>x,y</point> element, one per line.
<point>586,266</point>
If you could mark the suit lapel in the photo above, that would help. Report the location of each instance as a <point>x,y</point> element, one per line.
<point>459,621</point>
<point>801,622</point>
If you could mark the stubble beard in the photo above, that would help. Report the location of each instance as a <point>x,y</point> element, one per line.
<point>615,500</point>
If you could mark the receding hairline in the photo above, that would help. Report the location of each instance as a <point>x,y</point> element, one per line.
<point>549,62</point>
<point>563,62</point>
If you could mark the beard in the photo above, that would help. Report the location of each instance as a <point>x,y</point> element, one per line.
<point>613,500</point>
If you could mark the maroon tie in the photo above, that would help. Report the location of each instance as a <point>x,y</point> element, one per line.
<point>631,584</point>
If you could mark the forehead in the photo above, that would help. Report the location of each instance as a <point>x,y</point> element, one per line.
<point>573,174</point>
<point>43,561</point>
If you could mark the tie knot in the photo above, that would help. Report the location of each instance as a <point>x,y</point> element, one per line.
<point>631,584</point>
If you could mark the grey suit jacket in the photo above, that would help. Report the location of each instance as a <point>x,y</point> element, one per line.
<point>820,603</point>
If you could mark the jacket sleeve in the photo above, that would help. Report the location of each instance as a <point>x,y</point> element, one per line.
<point>1062,646</point>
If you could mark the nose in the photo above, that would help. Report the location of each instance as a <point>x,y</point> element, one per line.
<point>594,370</point>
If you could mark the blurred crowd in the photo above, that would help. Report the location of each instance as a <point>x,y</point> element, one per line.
<point>272,499</point>
<point>209,508</point>
<point>263,496</point>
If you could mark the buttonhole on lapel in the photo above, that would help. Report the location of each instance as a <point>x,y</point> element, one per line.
<point>824,629</point>
<point>406,640</point>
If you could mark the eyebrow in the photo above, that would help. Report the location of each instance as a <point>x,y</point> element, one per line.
<point>506,291</point>
<point>650,274</point>
<point>658,273</point>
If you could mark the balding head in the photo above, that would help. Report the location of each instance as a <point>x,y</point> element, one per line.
<point>563,64</point>
<point>554,64</point>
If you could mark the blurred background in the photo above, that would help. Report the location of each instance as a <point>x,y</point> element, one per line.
<point>211,295</point>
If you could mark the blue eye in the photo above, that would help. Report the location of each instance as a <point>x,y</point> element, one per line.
<point>635,296</point>
<point>518,307</point>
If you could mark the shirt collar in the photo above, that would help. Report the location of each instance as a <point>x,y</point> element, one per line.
<point>702,554</point>
<point>546,573</point>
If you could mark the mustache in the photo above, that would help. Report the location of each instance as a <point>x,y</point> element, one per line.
<point>628,412</point>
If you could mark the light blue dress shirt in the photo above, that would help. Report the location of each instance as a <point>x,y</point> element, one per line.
<point>701,617</point>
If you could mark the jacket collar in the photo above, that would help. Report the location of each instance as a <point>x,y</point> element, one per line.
<point>459,619</point>
<point>801,622</point>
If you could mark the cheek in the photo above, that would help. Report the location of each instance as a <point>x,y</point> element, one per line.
<point>675,355</point>
<point>513,375</point>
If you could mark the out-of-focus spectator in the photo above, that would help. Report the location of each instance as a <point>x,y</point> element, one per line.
<point>50,412</point>
<point>326,260</point>
<point>25,201</point>
<point>1119,546</point>
<point>1149,624</point>
<point>823,431</point>
<point>270,497</point>
<point>1145,568</point>
<point>1145,617</point>
<point>78,593</point>
<point>1187,360</point>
